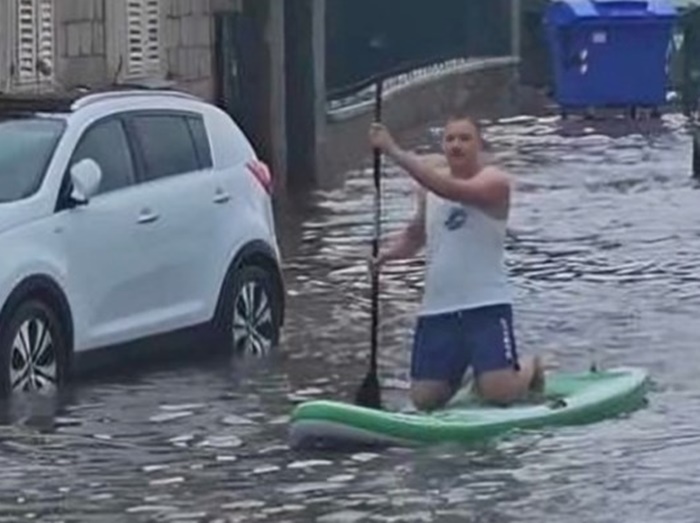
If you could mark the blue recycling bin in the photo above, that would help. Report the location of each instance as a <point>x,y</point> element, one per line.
<point>610,53</point>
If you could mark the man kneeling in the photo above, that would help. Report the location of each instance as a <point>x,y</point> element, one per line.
<point>466,317</point>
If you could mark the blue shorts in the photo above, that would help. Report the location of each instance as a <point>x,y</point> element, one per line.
<point>446,345</point>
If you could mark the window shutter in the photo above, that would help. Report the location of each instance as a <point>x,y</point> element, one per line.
<point>26,40</point>
<point>35,38</point>
<point>46,32</point>
<point>143,40</point>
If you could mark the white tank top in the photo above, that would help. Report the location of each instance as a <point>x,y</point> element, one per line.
<point>464,258</point>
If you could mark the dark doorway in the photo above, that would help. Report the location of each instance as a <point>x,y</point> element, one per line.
<point>242,66</point>
<point>301,92</point>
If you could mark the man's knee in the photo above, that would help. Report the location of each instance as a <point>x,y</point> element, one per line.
<point>429,396</point>
<point>506,386</point>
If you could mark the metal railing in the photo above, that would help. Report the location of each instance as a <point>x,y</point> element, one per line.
<point>414,34</point>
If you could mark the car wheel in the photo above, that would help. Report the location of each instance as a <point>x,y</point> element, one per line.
<point>251,314</point>
<point>32,351</point>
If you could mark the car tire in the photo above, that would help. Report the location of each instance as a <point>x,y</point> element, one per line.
<point>249,320</point>
<point>33,351</point>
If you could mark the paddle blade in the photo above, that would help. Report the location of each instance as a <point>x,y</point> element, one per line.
<point>369,394</point>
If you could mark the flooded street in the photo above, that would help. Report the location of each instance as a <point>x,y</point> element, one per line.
<point>604,252</point>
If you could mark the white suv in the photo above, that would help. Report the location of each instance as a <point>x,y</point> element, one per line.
<point>126,214</point>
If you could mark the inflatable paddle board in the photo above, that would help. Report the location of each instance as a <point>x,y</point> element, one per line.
<point>569,399</point>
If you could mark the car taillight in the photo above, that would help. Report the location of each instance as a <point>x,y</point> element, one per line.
<point>261,173</point>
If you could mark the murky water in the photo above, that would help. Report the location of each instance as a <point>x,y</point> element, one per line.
<point>605,255</point>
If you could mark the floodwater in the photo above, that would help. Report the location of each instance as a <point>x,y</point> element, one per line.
<point>604,253</point>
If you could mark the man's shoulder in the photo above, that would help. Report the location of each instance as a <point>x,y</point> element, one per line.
<point>497,182</point>
<point>496,174</point>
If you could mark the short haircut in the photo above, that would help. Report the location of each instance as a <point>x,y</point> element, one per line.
<point>460,115</point>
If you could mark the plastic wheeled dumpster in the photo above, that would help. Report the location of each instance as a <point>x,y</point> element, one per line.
<point>610,53</point>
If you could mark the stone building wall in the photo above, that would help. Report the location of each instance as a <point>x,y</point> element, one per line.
<point>81,51</point>
<point>88,43</point>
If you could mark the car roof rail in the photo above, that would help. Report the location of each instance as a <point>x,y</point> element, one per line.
<point>66,101</point>
<point>17,103</point>
<point>97,97</point>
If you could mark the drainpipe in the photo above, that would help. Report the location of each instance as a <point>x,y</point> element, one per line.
<point>515,51</point>
<point>515,27</point>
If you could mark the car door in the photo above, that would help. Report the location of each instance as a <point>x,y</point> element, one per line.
<point>175,233</point>
<point>105,269</point>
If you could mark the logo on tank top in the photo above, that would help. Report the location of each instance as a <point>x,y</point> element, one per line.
<point>456,218</point>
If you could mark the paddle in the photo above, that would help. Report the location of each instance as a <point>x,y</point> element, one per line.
<point>369,394</point>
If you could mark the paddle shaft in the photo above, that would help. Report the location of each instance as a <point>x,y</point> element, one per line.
<point>369,394</point>
<point>377,232</point>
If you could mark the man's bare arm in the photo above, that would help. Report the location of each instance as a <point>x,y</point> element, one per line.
<point>490,189</point>
<point>408,242</point>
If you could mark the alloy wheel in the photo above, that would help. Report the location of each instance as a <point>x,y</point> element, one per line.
<point>253,320</point>
<point>33,365</point>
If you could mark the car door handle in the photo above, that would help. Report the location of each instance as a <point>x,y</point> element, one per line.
<point>147,216</point>
<point>221,196</point>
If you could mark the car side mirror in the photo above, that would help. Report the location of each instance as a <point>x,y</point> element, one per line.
<point>86,176</point>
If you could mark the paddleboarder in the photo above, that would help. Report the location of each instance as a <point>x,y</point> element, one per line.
<point>466,318</point>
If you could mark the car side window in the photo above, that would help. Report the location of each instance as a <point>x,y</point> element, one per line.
<point>201,141</point>
<point>106,143</point>
<point>167,145</point>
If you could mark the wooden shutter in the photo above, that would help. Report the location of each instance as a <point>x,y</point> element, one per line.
<point>35,38</point>
<point>143,37</point>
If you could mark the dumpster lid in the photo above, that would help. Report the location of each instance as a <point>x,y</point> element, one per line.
<point>564,12</point>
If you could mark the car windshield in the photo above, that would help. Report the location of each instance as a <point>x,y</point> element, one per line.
<point>26,145</point>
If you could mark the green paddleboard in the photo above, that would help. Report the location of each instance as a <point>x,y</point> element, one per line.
<point>569,399</point>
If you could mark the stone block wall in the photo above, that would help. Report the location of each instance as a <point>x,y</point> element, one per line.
<point>81,55</point>
<point>84,33</point>
<point>189,40</point>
